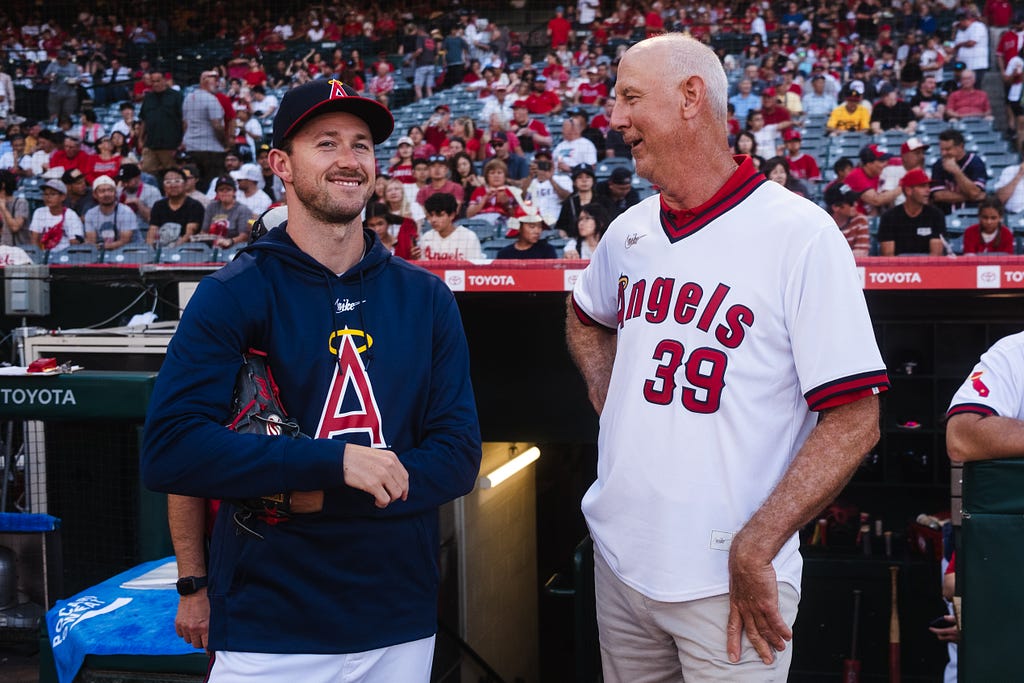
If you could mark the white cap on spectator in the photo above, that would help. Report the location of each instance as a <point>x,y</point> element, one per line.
<point>248,172</point>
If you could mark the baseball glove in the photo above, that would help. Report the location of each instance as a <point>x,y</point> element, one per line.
<point>256,406</point>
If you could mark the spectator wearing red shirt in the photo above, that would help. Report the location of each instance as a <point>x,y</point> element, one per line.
<point>1011,42</point>
<point>353,28</point>
<point>731,121</point>
<point>532,134</point>
<point>140,88</point>
<point>988,235</point>
<point>801,166</point>
<point>382,58</point>
<point>968,100</point>
<point>439,181</point>
<point>865,180</point>
<point>332,32</point>
<point>603,120</point>
<point>592,90</point>
<point>401,168</point>
<point>72,156</point>
<point>439,127</point>
<point>559,28</point>
<point>541,100</point>
<point>386,27</point>
<point>255,75</point>
<point>226,104</point>
<point>998,13</point>
<point>773,113</point>
<point>653,22</point>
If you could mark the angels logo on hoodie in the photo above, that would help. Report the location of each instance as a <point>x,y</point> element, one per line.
<point>351,407</point>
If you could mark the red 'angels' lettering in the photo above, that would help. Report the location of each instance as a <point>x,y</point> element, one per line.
<point>663,301</point>
<point>704,371</point>
<point>351,373</point>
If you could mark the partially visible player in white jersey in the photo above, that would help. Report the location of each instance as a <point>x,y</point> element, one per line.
<point>724,338</point>
<point>986,415</point>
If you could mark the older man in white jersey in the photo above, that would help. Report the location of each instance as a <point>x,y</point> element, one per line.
<point>736,379</point>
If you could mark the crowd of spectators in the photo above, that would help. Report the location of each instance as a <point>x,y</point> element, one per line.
<point>525,158</point>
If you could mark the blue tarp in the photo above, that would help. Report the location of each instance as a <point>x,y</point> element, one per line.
<point>14,522</point>
<point>110,619</point>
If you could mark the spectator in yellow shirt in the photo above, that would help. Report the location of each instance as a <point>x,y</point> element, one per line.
<point>849,117</point>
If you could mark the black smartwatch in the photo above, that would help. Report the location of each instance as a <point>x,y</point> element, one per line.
<point>187,585</point>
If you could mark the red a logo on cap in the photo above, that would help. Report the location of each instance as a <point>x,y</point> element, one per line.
<point>337,89</point>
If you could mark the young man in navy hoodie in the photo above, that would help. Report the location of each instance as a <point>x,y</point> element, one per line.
<point>371,360</point>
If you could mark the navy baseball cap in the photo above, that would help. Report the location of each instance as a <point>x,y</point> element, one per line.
<point>869,153</point>
<point>580,169</point>
<point>840,193</point>
<point>317,97</point>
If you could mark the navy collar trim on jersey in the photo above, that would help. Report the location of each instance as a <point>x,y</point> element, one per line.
<point>680,224</point>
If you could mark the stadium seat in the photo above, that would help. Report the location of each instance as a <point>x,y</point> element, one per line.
<point>75,255</point>
<point>191,252</point>
<point>932,126</point>
<point>958,221</point>
<point>1002,159</point>
<point>33,252</point>
<point>606,166</point>
<point>484,229</point>
<point>492,248</point>
<point>975,125</point>
<point>227,255</point>
<point>131,254</point>
<point>1015,222</point>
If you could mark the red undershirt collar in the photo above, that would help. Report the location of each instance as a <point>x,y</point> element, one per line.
<point>744,180</point>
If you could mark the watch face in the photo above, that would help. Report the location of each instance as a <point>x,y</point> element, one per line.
<point>190,584</point>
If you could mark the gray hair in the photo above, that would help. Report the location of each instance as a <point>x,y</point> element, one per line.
<point>688,57</point>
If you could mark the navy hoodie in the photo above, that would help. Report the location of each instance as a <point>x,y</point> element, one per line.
<point>351,577</point>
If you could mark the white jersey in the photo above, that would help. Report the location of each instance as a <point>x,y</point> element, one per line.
<point>574,152</point>
<point>70,224</point>
<point>257,203</point>
<point>734,322</point>
<point>974,57</point>
<point>543,196</point>
<point>461,244</point>
<point>996,385</point>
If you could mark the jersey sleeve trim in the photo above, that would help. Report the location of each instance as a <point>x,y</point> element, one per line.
<point>832,394</point>
<point>585,318</point>
<point>976,408</point>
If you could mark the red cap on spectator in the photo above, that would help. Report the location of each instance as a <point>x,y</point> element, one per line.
<point>915,177</point>
<point>768,92</point>
<point>520,103</point>
<point>790,134</point>
<point>911,145</point>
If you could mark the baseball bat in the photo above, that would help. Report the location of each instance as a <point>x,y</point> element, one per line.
<point>894,630</point>
<point>851,666</point>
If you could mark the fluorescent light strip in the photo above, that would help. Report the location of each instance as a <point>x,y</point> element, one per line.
<point>491,480</point>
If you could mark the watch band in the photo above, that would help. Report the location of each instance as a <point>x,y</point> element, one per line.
<point>188,585</point>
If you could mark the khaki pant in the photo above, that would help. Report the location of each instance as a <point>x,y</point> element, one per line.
<point>156,161</point>
<point>647,641</point>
